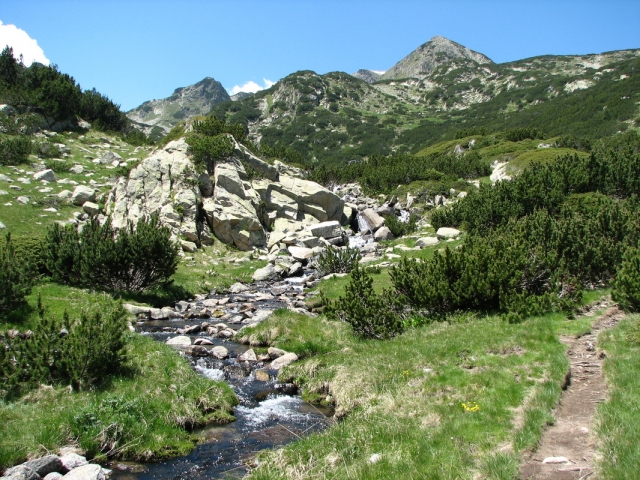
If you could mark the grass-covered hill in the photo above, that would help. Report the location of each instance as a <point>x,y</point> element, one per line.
<point>336,118</point>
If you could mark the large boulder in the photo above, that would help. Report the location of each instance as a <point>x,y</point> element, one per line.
<point>232,212</point>
<point>44,465</point>
<point>83,194</point>
<point>300,253</point>
<point>330,229</point>
<point>46,175</point>
<point>21,472</point>
<point>427,242</point>
<point>264,273</point>
<point>242,153</point>
<point>283,361</point>
<point>383,233</point>
<point>86,472</point>
<point>283,206</point>
<point>109,158</point>
<point>312,198</point>
<point>447,233</point>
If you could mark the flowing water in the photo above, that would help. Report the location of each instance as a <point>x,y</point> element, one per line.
<point>269,414</point>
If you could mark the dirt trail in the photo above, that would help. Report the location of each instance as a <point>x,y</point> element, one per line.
<point>571,436</point>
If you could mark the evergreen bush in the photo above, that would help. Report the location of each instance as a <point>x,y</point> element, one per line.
<point>400,229</point>
<point>82,353</point>
<point>14,149</point>
<point>337,260</point>
<point>16,277</point>
<point>626,287</point>
<point>371,316</point>
<point>132,259</point>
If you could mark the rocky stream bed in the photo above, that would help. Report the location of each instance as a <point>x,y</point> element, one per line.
<point>269,414</point>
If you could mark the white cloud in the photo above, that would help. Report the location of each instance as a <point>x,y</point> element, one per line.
<point>251,87</point>
<point>379,72</point>
<point>22,43</point>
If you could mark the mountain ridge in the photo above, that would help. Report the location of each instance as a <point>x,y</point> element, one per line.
<point>159,116</point>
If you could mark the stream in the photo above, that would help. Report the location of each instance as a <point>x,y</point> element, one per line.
<point>270,414</point>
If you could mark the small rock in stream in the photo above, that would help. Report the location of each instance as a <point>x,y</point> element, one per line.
<point>179,340</point>
<point>286,388</point>
<point>262,375</point>
<point>248,356</point>
<point>220,352</point>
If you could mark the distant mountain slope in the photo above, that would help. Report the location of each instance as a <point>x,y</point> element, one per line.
<point>368,76</point>
<point>336,118</point>
<point>184,103</point>
<point>430,55</point>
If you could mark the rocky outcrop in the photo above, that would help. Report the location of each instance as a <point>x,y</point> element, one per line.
<point>164,183</point>
<point>226,204</point>
<point>232,213</point>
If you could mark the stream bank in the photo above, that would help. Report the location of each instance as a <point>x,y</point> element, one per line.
<point>269,413</point>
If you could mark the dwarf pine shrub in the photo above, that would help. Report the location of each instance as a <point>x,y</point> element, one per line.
<point>626,287</point>
<point>82,352</point>
<point>370,315</point>
<point>400,229</point>
<point>132,259</point>
<point>337,260</point>
<point>16,277</point>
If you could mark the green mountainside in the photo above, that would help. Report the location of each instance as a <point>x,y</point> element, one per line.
<point>337,118</point>
<point>157,117</point>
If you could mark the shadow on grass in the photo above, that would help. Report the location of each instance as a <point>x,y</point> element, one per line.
<point>18,315</point>
<point>160,297</point>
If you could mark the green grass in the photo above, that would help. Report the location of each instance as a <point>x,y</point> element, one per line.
<point>617,421</point>
<point>302,334</point>
<point>218,266</point>
<point>141,415</point>
<point>25,219</point>
<point>403,400</point>
<point>542,155</point>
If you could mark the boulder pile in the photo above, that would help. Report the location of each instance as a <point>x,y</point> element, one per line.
<point>69,466</point>
<point>226,203</point>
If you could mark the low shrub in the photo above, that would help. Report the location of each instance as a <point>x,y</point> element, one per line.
<point>16,277</point>
<point>337,260</point>
<point>626,287</point>
<point>370,315</point>
<point>15,149</point>
<point>130,260</point>
<point>400,229</point>
<point>58,166</point>
<point>81,353</point>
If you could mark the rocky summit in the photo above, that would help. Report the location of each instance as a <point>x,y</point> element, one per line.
<point>424,59</point>
<point>184,103</point>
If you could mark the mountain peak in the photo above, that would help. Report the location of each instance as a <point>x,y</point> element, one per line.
<point>184,103</point>
<point>428,56</point>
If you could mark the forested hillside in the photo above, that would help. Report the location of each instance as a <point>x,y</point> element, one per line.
<point>335,118</point>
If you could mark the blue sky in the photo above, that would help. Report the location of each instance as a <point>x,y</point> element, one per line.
<point>137,50</point>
